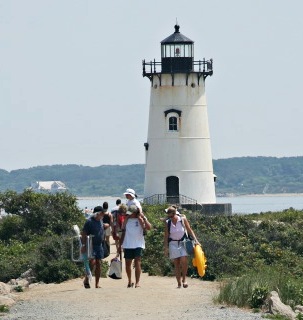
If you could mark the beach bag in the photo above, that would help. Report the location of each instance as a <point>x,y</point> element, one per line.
<point>115,269</point>
<point>189,245</point>
<point>106,249</point>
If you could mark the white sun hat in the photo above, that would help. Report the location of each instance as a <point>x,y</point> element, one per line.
<point>130,192</point>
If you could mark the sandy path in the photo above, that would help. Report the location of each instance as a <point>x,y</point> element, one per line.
<point>157,298</point>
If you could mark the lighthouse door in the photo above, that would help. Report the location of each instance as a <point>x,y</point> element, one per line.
<point>172,189</point>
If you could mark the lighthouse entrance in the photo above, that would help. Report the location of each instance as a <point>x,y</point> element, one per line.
<point>172,189</point>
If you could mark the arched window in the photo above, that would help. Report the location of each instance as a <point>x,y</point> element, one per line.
<point>172,120</point>
<point>172,124</point>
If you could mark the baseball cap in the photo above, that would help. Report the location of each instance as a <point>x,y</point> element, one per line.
<point>98,209</point>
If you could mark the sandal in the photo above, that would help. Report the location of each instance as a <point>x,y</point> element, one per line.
<point>86,285</point>
<point>130,285</point>
<point>185,285</point>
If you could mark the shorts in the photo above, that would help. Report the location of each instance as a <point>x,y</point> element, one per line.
<point>176,249</point>
<point>98,252</point>
<point>130,254</point>
<point>108,231</point>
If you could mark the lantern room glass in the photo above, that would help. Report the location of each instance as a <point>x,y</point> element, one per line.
<point>177,50</point>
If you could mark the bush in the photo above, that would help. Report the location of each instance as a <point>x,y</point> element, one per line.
<point>37,235</point>
<point>42,213</point>
<point>54,263</point>
<point>15,258</point>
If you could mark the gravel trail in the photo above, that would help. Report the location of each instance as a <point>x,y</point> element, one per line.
<point>157,298</point>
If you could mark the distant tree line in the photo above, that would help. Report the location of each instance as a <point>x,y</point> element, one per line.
<point>243,175</point>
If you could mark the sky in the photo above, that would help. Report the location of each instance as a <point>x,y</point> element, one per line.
<point>72,91</point>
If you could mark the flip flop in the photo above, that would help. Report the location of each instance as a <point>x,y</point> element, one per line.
<point>86,285</point>
<point>130,285</point>
<point>185,285</point>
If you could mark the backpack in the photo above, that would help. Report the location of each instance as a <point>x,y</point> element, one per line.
<point>118,222</point>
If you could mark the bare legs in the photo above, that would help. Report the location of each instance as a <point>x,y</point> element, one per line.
<point>128,269</point>
<point>181,266</point>
<point>97,264</point>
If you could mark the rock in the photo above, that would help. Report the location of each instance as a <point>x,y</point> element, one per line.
<point>5,289</point>
<point>276,306</point>
<point>299,308</point>
<point>12,282</point>
<point>6,301</point>
<point>23,283</point>
<point>27,274</point>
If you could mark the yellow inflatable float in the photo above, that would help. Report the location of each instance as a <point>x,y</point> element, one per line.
<point>199,260</point>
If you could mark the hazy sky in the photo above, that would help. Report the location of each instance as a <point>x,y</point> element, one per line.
<point>72,91</point>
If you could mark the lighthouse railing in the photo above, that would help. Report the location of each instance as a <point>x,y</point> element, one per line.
<point>200,66</point>
<point>165,199</point>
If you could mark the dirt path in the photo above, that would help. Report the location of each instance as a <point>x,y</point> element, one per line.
<point>157,298</point>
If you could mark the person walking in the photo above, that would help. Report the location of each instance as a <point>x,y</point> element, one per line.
<point>94,226</point>
<point>173,244</point>
<point>133,242</point>
<point>115,213</point>
<point>107,219</point>
<point>119,218</point>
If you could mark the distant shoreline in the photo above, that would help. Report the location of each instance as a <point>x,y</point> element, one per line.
<point>225,196</point>
<point>100,197</point>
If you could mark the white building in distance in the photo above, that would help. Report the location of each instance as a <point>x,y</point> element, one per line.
<point>48,186</point>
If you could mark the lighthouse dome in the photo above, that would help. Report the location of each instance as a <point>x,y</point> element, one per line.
<point>176,37</point>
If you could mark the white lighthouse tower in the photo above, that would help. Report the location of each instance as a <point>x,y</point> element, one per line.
<point>179,165</point>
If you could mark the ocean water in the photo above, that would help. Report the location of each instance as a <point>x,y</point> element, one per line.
<point>263,203</point>
<point>240,204</point>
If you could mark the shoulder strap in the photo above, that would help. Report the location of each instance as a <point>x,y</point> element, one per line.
<point>168,225</point>
<point>183,224</point>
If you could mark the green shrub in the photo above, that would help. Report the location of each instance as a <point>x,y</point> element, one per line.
<point>15,258</point>
<point>42,214</point>
<point>54,263</point>
<point>19,289</point>
<point>4,308</point>
<point>258,297</point>
<point>11,227</point>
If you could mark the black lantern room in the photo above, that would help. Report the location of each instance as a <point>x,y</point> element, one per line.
<point>177,53</point>
<point>177,56</point>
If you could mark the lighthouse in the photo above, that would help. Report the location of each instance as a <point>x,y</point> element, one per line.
<point>178,168</point>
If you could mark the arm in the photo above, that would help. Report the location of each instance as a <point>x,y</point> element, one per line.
<point>148,225</point>
<point>111,220</point>
<point>83,241</point>
<point>145,224</point>
<point>190,230</point>
<point>122,236</point>
<point>166,240</point>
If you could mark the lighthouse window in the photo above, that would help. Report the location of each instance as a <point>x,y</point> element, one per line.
<point>173,124</point>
